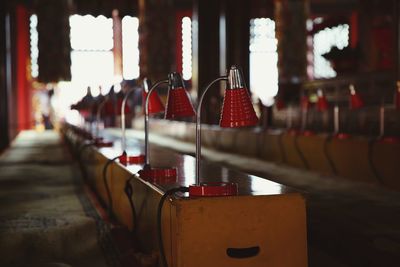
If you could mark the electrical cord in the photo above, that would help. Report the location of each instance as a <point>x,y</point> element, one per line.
<point>159,214</point>
<point>129,192</point>
<point>281,147</point>
<point>371,162</point>
<point>109,208</point>
<point>328,157</point>
<point>301,154</point>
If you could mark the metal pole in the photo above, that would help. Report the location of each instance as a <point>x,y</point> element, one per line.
<point>98,115</point>
<point>123,128</point>
<point>336,119</point>
<point>146,121</point>
<point>382,120</point>
<point>289,117</point>
<point>198,126</point>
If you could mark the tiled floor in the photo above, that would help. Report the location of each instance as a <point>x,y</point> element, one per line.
<point>42,219</point>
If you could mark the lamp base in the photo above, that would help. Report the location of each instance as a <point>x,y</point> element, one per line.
<point>128,160</point>
<point>390,140</point>
<point>159,175</point>
<point>342,136</point>
<point>213,189</point>
<point>295,132</point>
<point>307,133</point>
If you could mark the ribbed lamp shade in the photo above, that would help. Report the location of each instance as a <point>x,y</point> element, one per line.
<point>322,103</point>
<point>237,109</point>
<point>155,104</point>
<point>178,102</point>
<point>356,101</point>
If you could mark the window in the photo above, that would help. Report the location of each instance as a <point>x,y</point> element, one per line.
<point>92,62</point>
<point>186,48</point>
<point>263,60</point>
<point>34,46</point>
<point>324,41</point>
<point>130,47</point>
<point>92,59</point>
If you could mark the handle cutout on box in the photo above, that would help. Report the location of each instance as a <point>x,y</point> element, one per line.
<point>241,253</point>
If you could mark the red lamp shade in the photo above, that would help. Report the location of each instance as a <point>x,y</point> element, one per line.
<point>155,104</point>
<point>237,109</point>
<point>356,101</point>
<point>109,107</point>
<point>322,103</point>
<point>178,102</point>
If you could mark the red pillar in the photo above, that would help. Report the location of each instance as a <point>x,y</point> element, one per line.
<point>24,116</point>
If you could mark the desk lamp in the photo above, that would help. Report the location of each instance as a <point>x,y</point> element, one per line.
<point>98,141</point>
<point>178,105</point>
<point>382,137</point>
<point>237,111</point>
<point>355,102</point>
<point>155,106</point>
<point>322,103</point>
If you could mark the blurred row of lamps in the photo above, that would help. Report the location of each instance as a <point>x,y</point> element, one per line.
<point>322,105</point>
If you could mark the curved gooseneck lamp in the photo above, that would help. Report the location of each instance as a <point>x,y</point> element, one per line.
<point>98,114</point>
<point>237,111</point>
<point>97,139</point>
<point>322,102</point>
<point>304,108</point>
<point>382,135</point>
<point>178,105</point>
<point>154,107</point>
<point>355,102</point>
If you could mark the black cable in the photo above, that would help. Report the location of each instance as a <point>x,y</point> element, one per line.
<point>371,162</point>
<point>302,157</point>
<point>159,214</point>
<point>129,192</point>
<point>328,157</point>
<point>109,208</point>
<point>281,147</point>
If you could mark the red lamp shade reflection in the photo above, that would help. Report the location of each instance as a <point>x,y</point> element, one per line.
<point>356,101</point>
<point>178,102</point>
<point>322,103</point>
<point>237,111</point>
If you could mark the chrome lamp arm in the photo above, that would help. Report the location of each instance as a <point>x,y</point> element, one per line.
<point>146,121</point>
<point>198,126</point>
